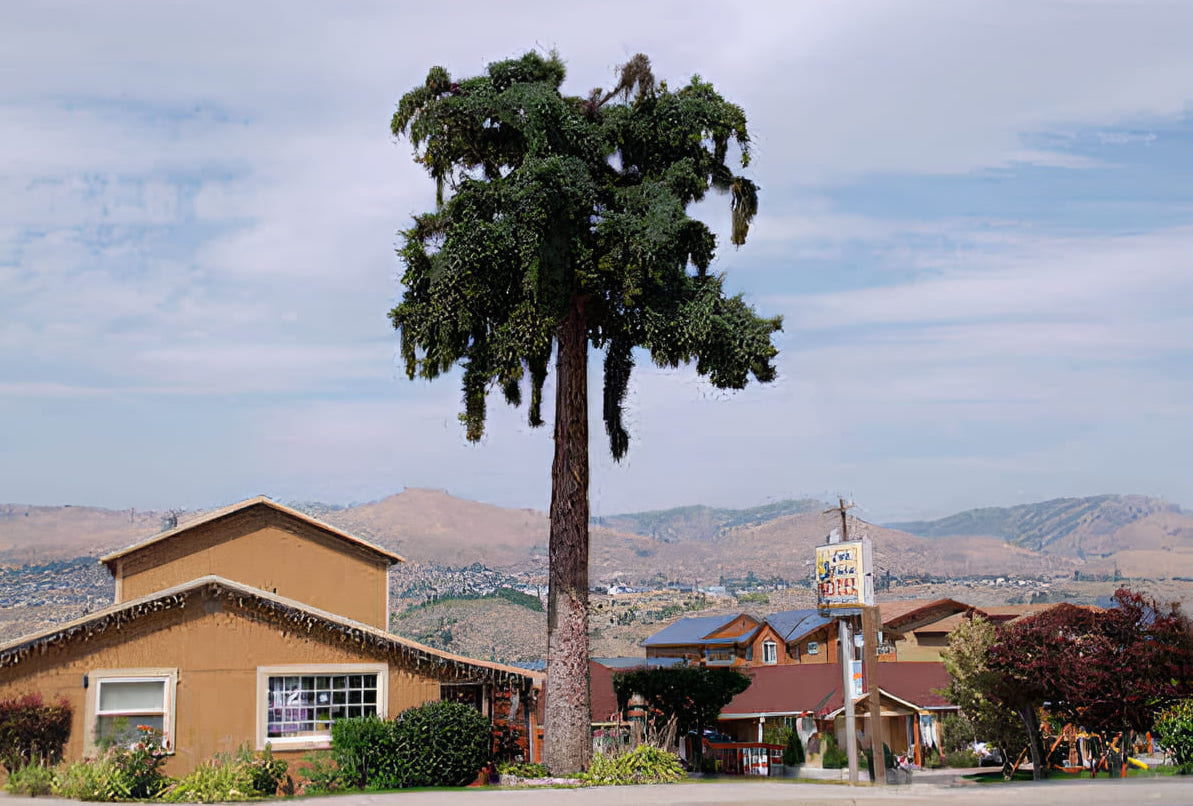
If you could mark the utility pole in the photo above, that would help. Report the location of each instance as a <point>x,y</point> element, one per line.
<point>870,621</point>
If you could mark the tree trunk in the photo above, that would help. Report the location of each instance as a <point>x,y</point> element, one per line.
<point>1031,724</point>
<point>568,739</point>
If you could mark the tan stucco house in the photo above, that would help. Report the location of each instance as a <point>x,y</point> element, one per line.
<point>253,624</point>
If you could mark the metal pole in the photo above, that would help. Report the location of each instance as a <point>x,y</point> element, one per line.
<point>845,651</point>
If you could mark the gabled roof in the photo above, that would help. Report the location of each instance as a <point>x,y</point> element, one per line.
<point>296,614</point>
<point>695,630</point>
<point>249,503</point>
<point>815,688</point>
<point>793,625</point>
<point>895,614</point>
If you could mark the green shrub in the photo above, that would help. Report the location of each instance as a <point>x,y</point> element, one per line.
<point>130,772</point>
<point>321,774</point>
<point>31,731</point>
<point>32,780</point>
<point>244,776</point>
<point>440,744</point>
<point>961,758</point>
<point>217,781</point>
<point>1174,731</point>
<point>793,753</point>
<point>266,772</point>
<point>522,769</point>
<point>644,764</point>
<point>834,757</point>
<point>956,733</point>
<point>365,753</point>
<point>86,780</point>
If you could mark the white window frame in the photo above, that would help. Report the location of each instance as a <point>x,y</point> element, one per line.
<point>813,648</point>
<point>321,741</point>
<point>770,653</point>
<point>97,678</point>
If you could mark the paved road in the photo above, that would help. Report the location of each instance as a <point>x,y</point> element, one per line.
<point>1163,792</point>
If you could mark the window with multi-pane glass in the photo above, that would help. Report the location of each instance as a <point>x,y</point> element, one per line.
<point>305,705</point>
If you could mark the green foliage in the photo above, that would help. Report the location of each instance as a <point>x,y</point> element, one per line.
<point>793,753</point>
<point>266,772</point>
<point>86,780</point>
<point>364,750</point>
<point>123,772</point>
<point>519,598</point>
<point>694,695</point>
<point>758,598</point>
<point>440,744</point>
<point>1174,732</point>
<point>436,744</point>
<point>956,733</point>
<point>244,775</point>
<point>522,769</point>
<point>32,780</point>
<point>32,732</point>
<point>321,774</point>
<point>961,758</point>
<point>979,691</point>
<point>217,781</point>
<point>834,757</point>
<point>645,764</point>
<point>561,204</point>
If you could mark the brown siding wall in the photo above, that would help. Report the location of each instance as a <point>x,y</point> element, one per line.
<point>768,633</point>
<point>739,626</point>
<point>216,652</point>
<point>265,549</point>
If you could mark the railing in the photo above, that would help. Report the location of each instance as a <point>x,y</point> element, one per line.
<point>744,758</point>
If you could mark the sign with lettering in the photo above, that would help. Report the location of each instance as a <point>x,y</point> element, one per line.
<point>843,575</point>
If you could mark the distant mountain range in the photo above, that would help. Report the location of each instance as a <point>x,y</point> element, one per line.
<point>1132,535</point>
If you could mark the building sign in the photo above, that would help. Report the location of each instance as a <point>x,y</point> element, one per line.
<point>843,574</point>
<point>858,686</point>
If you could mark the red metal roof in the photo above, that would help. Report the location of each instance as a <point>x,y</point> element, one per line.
<point>816,688</point>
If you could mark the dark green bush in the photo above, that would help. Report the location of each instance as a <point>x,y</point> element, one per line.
<point>365,753</point>
<point>440,744</point>
<point>793,753</point>
<point>834,757</point>
<point>961,758</point>
<point>32,732</point>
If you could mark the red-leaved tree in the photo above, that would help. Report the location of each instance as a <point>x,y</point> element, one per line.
<point>1108,670</point>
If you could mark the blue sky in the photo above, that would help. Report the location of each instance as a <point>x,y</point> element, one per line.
<point>976,219</point>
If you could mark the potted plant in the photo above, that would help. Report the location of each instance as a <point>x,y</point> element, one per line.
<point>793,755</point>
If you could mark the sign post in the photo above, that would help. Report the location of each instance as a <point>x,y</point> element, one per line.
<point>845,588</point>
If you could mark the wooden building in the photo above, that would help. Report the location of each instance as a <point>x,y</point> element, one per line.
<point>256,625</point>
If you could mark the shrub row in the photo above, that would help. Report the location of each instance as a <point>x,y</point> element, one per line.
<point>436,744</point>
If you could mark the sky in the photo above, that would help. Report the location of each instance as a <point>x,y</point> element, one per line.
<point>975,218</point>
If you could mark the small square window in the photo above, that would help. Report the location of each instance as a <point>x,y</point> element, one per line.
<point>123,701</point>
<point>813,648</point>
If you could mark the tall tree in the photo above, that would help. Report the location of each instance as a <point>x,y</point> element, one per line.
<point>562,222</point>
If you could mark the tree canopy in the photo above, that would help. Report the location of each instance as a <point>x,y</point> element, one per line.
<point>694,695</point>
<point>545,198</point>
